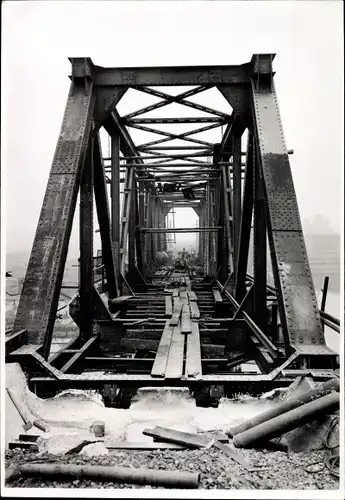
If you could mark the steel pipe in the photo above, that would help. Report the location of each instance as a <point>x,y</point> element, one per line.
<point>330,324</point>
<point>306,397</point>
<point>287,421</point>
<point>329,317</point>
<point>168,478</point>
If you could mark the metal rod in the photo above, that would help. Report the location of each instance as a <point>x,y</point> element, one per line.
<point>328,316</point>
<point>239,310</point>
<point>330,324</point>
<point>171,148</point>
<point>324,293</point>
<point>179,229</point>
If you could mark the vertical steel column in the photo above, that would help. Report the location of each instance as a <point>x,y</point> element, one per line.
<point>201,235</point>
<point>147,236</point>
<point>115,202</point>
<point>246,221</point>
<point>298,311</point>
<point>126,208</point>
<point>153,236</point>
<point>164,235</point>
<point>237,195</point>
<point>140,237</point>
<point>131,230</point>
<point>156,224</point>
<point>227,196</point>
<point>260,247</point>
<point>222,250</point>
<point>86,246</point>
<point>206,233</point>
<point>104,220</point>
<point>213,215</point>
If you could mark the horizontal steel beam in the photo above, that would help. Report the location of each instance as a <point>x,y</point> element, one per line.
<point>172,75</point>
<point>200,119</point>
<point>160,156</point>
<point>170,148</point>
<point>179,229</point>
<point>179,165</point>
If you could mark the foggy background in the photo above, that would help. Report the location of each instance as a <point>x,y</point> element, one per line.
<point>38,38</point>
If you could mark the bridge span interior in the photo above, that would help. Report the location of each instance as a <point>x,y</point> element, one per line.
<point>141,324</point>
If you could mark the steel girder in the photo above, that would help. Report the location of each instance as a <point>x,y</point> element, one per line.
<point>297,302</point>
<point>40,294</point>
<point>268,191</point>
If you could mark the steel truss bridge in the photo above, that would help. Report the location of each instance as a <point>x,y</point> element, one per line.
<point>200,333</point>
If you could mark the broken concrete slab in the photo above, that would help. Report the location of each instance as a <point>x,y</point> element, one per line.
<point>94,450</point>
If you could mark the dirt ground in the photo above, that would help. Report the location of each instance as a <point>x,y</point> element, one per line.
<point>285,470</point>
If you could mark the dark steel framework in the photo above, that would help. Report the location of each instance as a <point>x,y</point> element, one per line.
<point>235,193</point>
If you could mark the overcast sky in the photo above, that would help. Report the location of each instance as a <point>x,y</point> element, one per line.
<point>38,37</point>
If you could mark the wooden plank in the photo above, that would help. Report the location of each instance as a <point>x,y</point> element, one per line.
<point>176,312</point>
<point>173,436</point>
<point>216,295</point>
<point>193,357</point>
<point>194,310</point>
<point>175,292</point>
<point>188,284</point>
<point>192,297</point>
<point>154,445</point>
<point>219,436</point>
<point>18,404</point>
<point>186,322</point>
<point>160,362</point>
<point>174,367</point>
<point>234,454</point>
<point>168,306</point>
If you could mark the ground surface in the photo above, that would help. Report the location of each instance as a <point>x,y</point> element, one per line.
<point>286,470</point>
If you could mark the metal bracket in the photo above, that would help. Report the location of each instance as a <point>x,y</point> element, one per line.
<point>262,71</point>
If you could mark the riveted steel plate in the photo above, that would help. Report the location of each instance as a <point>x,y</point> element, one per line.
<point>106,100</point>
<point>40,292</point>
<point>46,251</point>
<point>297,289</point>
<point>269,125</point>
<point>315,350</point>
<point>302,319</point>
<point>70,140</point>
<point>281,196</point>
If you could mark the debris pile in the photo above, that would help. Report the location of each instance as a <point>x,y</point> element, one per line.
<point>259,455</point>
